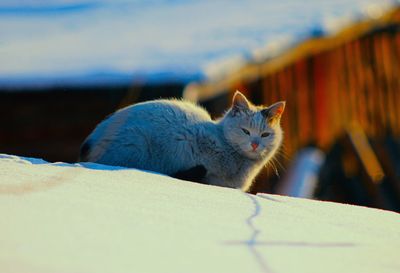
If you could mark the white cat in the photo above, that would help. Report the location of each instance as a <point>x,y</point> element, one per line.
<point>179,138</point>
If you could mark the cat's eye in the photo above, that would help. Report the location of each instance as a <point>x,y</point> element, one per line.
<point>265,134</point>
<point>245,131</point>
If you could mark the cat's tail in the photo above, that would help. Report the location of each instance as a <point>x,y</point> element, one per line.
<point>85,150</point>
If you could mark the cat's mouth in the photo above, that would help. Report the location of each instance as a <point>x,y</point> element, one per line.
<point>253,154</point>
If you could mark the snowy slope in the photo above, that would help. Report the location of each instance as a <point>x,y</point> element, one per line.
<point>94,218</point>
<point>120,41</point>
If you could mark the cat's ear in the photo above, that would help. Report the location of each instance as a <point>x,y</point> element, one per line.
<point>274,112</point>
<point>239,102</point>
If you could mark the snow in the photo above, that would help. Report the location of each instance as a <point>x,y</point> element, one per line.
<point>118,41</point>
<point>75,218</point>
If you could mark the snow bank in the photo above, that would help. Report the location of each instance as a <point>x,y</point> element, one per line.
<point>94,218</point>
<point>112,41</point>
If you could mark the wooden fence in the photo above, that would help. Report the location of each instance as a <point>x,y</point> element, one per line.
<point>330,84</point>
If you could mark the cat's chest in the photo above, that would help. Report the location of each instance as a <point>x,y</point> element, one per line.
<point>211,146</point>
<point>233,176</point>
<point>221,158</point>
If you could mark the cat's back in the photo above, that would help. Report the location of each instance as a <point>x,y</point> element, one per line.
<point>142,128</point>
<point>157,114</point>
<point>170,111</point>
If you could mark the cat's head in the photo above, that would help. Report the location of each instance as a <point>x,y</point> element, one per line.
<point>253,131</point>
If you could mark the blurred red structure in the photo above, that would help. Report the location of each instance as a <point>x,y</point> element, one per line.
<point>331,84</point>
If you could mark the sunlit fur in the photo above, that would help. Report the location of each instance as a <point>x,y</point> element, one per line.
<point>168,136</point>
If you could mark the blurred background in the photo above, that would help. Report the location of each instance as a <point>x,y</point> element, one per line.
<point>66,65</point>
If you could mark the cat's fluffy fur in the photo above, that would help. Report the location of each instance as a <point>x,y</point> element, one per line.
<point>169,136</point>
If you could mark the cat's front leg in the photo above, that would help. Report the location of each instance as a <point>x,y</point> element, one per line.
<point>194,174</point>
<point>217,180</point>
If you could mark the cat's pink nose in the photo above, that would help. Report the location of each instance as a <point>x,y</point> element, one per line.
<point>254,145</point>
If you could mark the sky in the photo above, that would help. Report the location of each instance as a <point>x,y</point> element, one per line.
<point>155,41</point>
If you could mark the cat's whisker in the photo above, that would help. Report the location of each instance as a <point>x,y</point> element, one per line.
<point>272,161</point>
<point>282,151</point>
<point>275,160</point>
<point>276,169</point>
<point>284,155</point>
<point>270,164</point>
